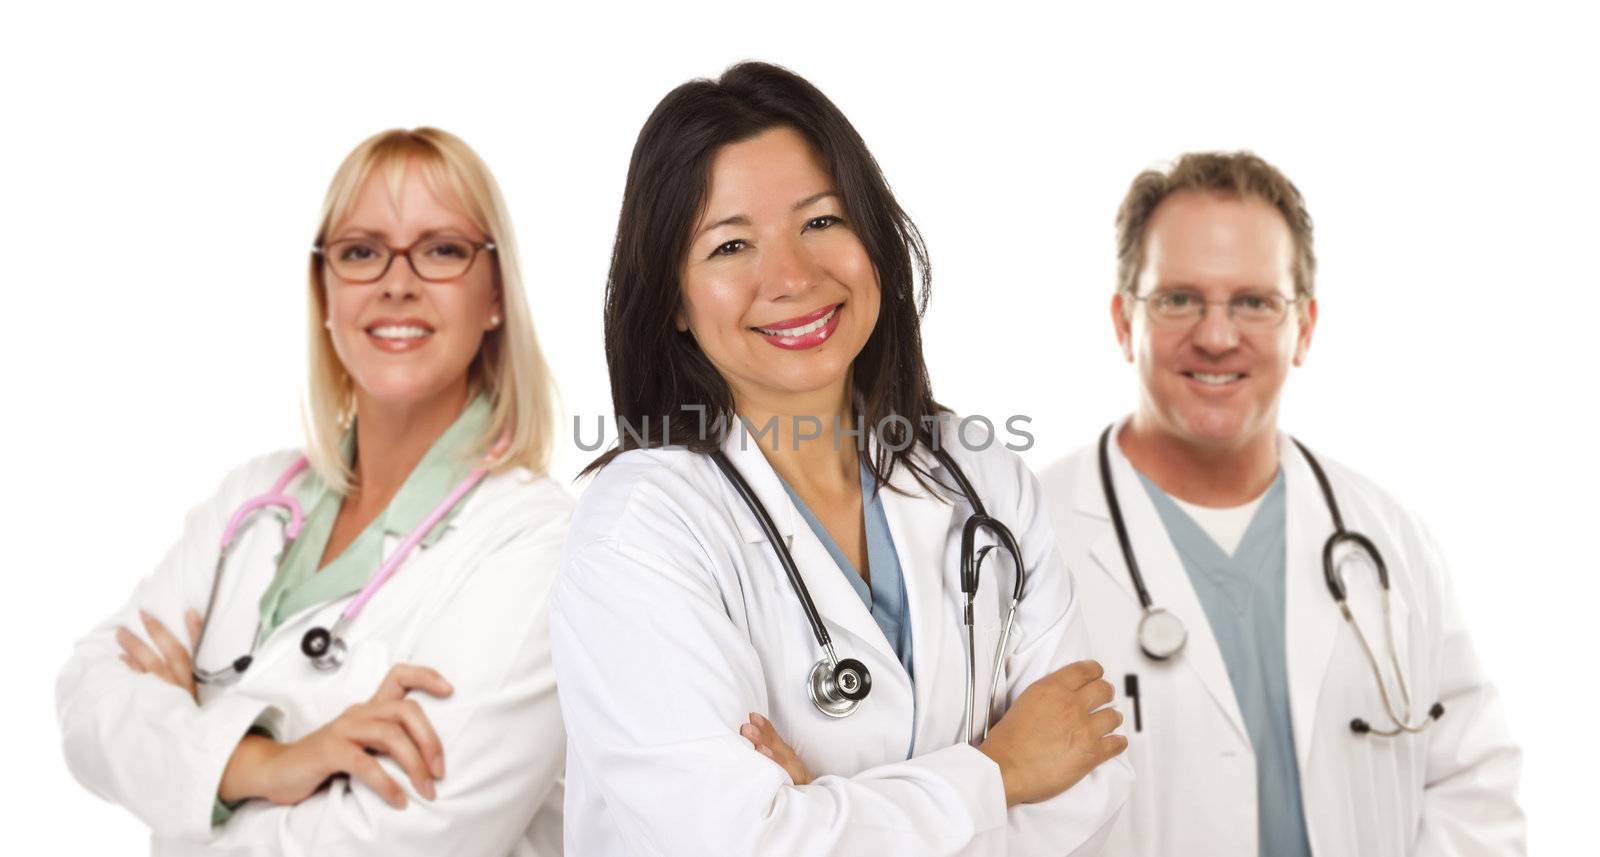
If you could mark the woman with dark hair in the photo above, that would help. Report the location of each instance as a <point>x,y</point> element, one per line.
<point>774,628</point>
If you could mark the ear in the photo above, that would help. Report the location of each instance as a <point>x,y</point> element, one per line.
<point>1122,320</point>
<point>680,320</point>
<point>1307,325</point>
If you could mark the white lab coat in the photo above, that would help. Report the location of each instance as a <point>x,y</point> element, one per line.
<point>473,606</point>
<point>1450,790</point>
<point>672,620</point>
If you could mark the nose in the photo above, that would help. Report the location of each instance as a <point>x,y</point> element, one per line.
<point>1215,332</point>
<point>790,271</point>
<point>400,282</point>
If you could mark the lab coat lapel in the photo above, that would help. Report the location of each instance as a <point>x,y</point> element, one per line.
<point>1312,621</point>
<point>1164,576</point>
<point>837,602</point>
<point>920,524</point>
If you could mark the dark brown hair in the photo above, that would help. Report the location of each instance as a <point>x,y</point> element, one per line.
<point>656,371</point>
<point>1235,174</point>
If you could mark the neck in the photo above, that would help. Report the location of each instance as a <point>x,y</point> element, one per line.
<point>822,466</point>
<point>392,438</point>
<point>1219,476</point>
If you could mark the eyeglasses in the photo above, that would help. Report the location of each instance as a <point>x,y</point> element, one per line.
<point>1184,307</point>
<point>366,260</point>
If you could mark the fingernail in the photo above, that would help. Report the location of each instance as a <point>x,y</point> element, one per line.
<point>438,767</point>
<point>427,790</point>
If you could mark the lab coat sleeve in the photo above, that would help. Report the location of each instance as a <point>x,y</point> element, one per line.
<point>1054,633</point>
<point>134,739</point>
<point>1469,799</point>
<point>501,728</point>
<point>656,679</point>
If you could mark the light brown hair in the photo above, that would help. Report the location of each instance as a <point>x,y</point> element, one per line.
<point>1233,174</point>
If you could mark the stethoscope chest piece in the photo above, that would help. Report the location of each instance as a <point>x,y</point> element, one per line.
<point>837,689</point>
<point>325,650</point>
<point>1161,634</point>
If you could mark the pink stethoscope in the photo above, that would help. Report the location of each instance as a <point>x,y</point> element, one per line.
<point>326,648</point>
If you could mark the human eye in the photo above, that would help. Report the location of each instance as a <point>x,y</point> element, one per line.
<point>1175,300</point>
<point>728,248</point>
<point>356,251</point>
<point>1258,305</point>
<point>823,221</point>
<point>451,248</point>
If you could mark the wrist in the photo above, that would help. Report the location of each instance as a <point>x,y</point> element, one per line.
<point>240,778</point>
<point>1007,779</point>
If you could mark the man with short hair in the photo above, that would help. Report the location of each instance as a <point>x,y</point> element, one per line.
<point>1216,560</point>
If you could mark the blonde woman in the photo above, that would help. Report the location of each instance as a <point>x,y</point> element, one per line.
<point>347,649</point>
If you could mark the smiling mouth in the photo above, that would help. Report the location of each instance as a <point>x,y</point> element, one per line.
<point>399,332</point>
<point>803,329</point>
<point>1215,379</point>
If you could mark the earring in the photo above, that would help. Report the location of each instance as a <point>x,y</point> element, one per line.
<point>494,320</point>
<point>328,323</point>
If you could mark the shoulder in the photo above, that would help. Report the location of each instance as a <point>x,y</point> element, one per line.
<point>520,491</point>
<point>999,475</point>
<point>644,488</point>
<point>654,518</point>
<point>1066,479</point>
<point>257,474</point>
<point>1362,498</point>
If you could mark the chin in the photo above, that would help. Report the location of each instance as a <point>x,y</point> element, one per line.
<point>404,390</point>
<point>1214,427</point>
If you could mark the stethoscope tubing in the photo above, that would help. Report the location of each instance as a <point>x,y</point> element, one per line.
<point>972,562</point>
<point>327,654</point>
<point>1331,575</point>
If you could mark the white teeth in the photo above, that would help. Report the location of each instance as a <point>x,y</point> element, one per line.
<point>1208,378</point>
<point>398,331</point>
<point>803,329</point>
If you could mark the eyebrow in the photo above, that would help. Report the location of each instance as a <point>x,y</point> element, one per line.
<point>743,220</point>
<point>382,235</point>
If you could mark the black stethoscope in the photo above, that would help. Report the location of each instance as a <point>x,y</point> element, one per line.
<point>838,685</point>
<point>1162,635</point>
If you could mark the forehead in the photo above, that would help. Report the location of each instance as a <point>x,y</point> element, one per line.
<point>1204,239</point>
<point>769,171</point>
<point>400,202</point>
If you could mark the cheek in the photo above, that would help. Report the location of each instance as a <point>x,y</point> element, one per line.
<point>715,305</point>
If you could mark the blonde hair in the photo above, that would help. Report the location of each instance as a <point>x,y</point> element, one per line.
<point>509,367</point>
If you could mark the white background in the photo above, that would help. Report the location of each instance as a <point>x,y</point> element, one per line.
<point>164,168</point>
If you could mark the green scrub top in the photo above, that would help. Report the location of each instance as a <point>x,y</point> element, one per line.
<point>299,584</point>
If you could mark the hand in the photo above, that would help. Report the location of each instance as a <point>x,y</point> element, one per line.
<point>389,723</point>
<point>1054,735</point>
<point>172,663</point>
<point>760,733</point>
